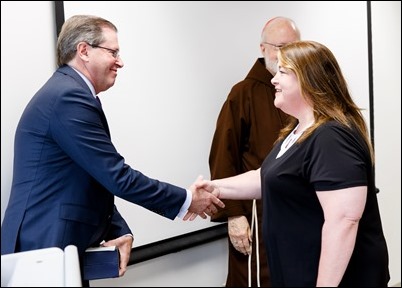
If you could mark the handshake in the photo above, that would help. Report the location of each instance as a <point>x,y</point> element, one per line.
<point>205,200</point>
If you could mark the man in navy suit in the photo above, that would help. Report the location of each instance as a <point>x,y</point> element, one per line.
<point>66,168</point>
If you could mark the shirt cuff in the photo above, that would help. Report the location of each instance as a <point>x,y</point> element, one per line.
<point>186,204</point>
<point>129,234</point>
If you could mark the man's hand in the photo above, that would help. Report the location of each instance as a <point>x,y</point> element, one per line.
<point>124,244</point>
<point>240,234</point>
<point>204,201</point>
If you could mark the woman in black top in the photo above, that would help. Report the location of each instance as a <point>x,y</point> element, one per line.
<point>321,220</point>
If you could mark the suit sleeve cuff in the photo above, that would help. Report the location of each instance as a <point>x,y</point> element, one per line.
<point>186,204</point>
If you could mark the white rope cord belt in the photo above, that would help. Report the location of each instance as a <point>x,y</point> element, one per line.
<point>254,224</point>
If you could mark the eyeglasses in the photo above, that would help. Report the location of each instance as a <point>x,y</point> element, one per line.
<point>276,46</point>
<point>114,53</point>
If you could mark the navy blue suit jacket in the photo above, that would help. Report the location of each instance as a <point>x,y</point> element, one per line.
<point>67,172</point>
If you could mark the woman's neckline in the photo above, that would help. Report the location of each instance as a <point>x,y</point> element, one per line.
<point>297,131</point>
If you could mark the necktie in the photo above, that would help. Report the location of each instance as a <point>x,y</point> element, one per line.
<point>97,98</point>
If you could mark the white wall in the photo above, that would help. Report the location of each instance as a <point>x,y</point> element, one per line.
<point>27,60</point>
<point>386,17</point>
